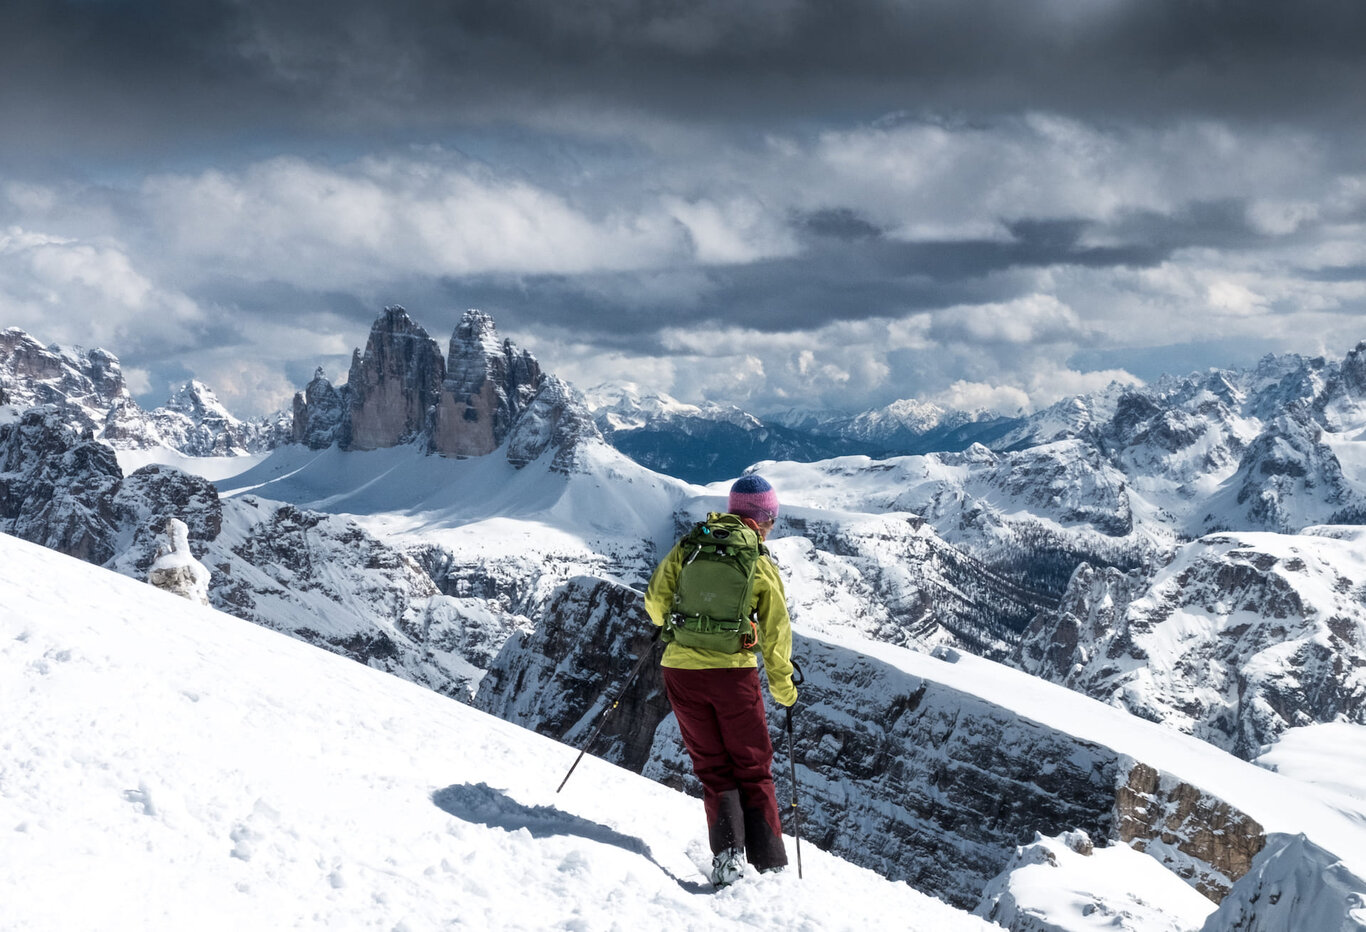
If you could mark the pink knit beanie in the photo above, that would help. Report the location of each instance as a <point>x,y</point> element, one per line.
<point>752,497</point>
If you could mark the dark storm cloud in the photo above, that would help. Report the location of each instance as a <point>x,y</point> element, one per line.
<point>849,271</point>
<point>121,73</point>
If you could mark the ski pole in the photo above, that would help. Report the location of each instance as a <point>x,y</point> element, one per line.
<point>602,720</point>
<point>797,678</point>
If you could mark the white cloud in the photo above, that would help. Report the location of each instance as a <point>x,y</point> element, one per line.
<point>1230,297</point>
<point>86,293</point>
<point>1050,383</point>
<point>138,379</point>
<point>735,231</point>
<point>974,396</point>
<point>1281,217</point>
<point>1037,318</point>
<point>318,226</point>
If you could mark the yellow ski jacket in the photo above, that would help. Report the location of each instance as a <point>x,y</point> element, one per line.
<point>769,611</point>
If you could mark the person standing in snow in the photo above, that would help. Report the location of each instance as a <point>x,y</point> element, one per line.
<point>713,686</point>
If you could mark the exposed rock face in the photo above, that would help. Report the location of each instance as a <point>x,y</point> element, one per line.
<point>153,495</point>
<point>33,370</point>
<point>325,580</point>
<point>395,384</point>
<point>1199,838</point>
<point>558,678</point>
<point>56,487</point>
<point>320,414</point>
<point>1088,622</point>
<point>487,385</point>
<point>556,419</point>
<point>175,569</point>
<point>83,385</point>
<point>1241,637</point>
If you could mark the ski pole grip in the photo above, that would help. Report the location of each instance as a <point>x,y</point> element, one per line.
<point>798,678</point>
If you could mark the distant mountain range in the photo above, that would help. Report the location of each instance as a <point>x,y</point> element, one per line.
<point>711,442</point>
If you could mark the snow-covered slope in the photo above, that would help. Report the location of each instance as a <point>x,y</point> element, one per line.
<point>169,767</point>
<point>402,493</point>
<point>1065,883</point>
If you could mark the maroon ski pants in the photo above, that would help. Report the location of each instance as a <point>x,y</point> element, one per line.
<point>721,716</point>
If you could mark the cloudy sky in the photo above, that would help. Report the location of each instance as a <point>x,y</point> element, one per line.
<point>773,203</point>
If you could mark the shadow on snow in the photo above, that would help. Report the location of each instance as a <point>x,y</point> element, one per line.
<point>481,803</point>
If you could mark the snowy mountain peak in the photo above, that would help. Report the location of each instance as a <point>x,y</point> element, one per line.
<point>197,400</point>
<point>488,384</point>
<point>476,333</point>
<point>85,384</point>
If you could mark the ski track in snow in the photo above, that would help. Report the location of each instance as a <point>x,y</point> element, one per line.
<point>166,766</point>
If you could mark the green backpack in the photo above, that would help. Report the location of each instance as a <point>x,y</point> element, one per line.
<point>715,587</point>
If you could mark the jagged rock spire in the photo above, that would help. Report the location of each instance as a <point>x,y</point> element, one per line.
<point>489,383</point>
<point>395,383</point>
<point>320,414</point>
<point>401,389</point>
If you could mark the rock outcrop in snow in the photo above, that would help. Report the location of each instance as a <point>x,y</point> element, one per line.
<point>320,414</point>
<point>395,384</point>
<point>84,385</point>
<point>57,486</point>
<point>488,385</point>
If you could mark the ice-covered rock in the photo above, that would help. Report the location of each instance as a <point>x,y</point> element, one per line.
<point>556,419</point>
<point>320,414</point>
<point>175,569</point>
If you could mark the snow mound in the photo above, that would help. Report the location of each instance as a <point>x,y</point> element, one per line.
<point>1064,884</point>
